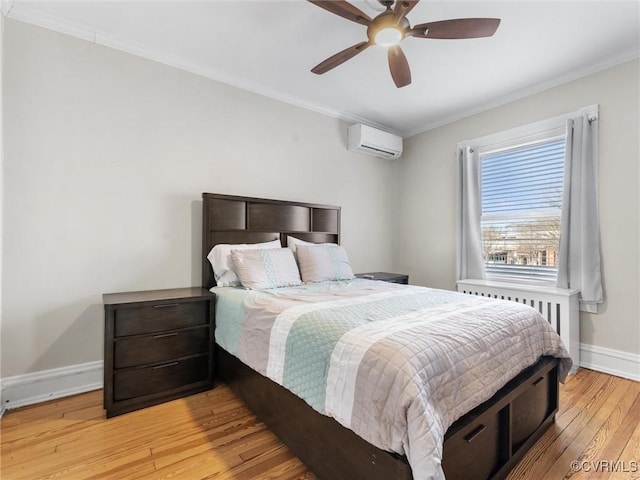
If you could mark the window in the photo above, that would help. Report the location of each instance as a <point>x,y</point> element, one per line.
<point>521,193</point>
<point>515,198</point>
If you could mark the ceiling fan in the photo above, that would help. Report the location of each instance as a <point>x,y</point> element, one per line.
<point>390,27</point>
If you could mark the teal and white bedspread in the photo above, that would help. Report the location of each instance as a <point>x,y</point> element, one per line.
<point>396,364</point>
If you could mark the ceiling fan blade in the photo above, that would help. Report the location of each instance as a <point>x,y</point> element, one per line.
<point>339,58</point>
<point>399,67</point>
<point>344,10</point>
<point>457,28</point>
<point>403,7</point>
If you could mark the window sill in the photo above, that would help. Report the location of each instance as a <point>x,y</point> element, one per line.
<point>512,286</point>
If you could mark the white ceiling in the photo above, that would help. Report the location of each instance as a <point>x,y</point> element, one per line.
<point>269,47</point>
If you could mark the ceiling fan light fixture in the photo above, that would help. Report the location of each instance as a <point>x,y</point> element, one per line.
<point>388,37</point>
<point>391,27</point>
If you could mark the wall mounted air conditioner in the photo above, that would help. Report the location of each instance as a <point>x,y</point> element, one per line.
<point>371,141</point>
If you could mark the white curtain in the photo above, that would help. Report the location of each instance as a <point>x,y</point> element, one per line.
<point>469,261</point>
<point>579,255</point>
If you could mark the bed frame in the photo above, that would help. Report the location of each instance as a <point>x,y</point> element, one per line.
<point>486,443</point>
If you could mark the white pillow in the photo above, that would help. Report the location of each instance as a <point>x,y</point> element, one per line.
<point>293,243</point>
<point>268,268</point>
<point>220,259</point>
<point>321,263</point>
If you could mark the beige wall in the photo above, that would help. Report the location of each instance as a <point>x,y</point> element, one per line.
<point>428,196</point>
<point>107,155</point>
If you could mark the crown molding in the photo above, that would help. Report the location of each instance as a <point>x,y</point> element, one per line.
<point>6,6</point>
<point>532,90</point>
<point>20,11</point>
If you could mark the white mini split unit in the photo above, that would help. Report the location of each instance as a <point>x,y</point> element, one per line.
<point>371,141</point>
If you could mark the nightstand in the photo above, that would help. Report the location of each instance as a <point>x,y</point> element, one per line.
<point>385,277</point>
<point>158,346</point>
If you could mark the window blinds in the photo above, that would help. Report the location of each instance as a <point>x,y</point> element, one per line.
<point>521,209</point>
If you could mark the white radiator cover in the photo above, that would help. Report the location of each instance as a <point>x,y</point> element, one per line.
<point>559,306</point>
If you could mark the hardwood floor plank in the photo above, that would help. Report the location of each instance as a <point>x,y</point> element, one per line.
<point>579,438</point>
<point>628,463</point>
<point>208,464</point>
<point>105,464</point>
<point>212,435</point>
<point>264,466</point>
<point>606,444</point>
<point>53,408</point>
<point>126,472</point>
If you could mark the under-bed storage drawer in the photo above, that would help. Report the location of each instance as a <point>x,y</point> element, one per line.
<point>530,408</point>
<point>480,447</point>
<point>487,442</point>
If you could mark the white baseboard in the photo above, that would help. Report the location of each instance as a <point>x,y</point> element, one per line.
<point>37,387</point>
<point>613,362</point>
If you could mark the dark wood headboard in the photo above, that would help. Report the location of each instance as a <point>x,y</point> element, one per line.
<point>232,219</point>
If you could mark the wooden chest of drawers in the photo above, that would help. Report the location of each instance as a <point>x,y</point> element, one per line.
<point>158,346</point>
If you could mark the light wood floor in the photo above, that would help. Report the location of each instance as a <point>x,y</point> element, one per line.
<point>212,435</point>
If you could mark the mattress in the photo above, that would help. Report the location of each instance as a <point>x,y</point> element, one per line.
<point>396,364</point>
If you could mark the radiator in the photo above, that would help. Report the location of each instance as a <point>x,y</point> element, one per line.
<point>559,306</point>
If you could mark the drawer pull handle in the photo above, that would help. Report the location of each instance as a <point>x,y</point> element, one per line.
<point>166,305</point>
<point>163,335</point>
<point>165,365</point>
<point>538,381</point>
<point>469,438</point>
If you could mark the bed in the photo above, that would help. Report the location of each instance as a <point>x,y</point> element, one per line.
<point>485,441</point>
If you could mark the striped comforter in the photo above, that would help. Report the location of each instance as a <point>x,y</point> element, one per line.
<point>396,364</point>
